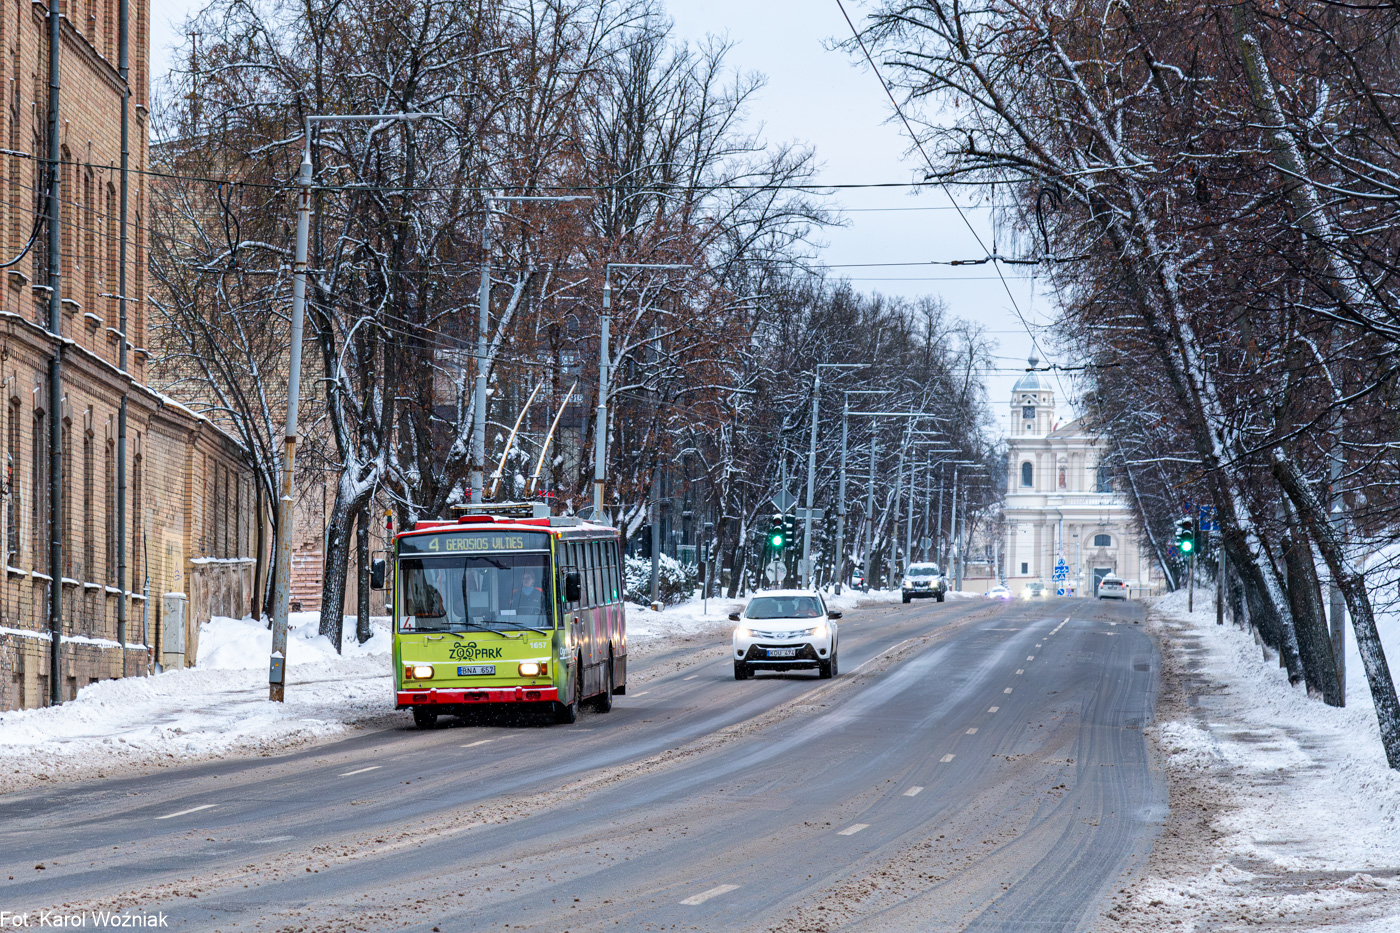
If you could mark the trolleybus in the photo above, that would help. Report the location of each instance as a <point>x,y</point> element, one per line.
<point>506,607</point>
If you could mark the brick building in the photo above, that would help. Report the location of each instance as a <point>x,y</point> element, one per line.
<point>190,504</point>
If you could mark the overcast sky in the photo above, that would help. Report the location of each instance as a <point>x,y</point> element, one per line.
<point>822,99</point>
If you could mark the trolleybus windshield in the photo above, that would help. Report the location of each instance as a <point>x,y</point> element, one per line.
<point>495,592</point>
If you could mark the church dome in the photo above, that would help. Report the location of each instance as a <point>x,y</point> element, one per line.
<point>1032,381</point>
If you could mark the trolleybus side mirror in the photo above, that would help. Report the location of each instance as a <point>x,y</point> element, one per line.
<point>376,574</point>
<point>573,587</point>
<point>734,617</point>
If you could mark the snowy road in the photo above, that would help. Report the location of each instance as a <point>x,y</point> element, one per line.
<point>976,766</point>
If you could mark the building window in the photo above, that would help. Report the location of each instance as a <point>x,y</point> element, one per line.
<point>1028,412</point>
<point>1104,479</point>
<point>109,485</point>
<point>1025,568</point>
<point>89,516</point>
<point>1103,541</point>
<point>39,477</point>
<point>1027,475</point>
<point>136,543</point>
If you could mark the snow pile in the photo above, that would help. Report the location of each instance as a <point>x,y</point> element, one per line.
<point>1302,802</point>
<point>217,708</point>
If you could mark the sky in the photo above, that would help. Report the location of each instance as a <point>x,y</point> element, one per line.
<point>823,99</point>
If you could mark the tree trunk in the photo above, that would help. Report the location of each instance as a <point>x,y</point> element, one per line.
<point>335,564</point>
<point>1305,600</point>
<point>1352,583</point>
<point>362,630</point>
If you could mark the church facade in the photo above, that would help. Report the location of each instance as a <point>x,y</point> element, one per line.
<point>1061,504</point>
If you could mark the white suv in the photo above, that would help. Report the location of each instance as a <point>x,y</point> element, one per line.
<point>782,630</point>
<point>923,581</point>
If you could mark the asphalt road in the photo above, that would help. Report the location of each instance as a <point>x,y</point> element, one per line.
<point>974,767</point>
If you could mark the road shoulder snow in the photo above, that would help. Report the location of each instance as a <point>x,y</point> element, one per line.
<point>1283,814</point>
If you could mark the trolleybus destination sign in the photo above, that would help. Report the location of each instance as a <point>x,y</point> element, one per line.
<point>472,542</point>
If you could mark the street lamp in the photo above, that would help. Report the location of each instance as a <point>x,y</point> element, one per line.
<point>841,492</point>
<point>600,429</point>
<point>870,485</point>
<point>812,469</point>
<point>282,589</point>
<point>483,321</point>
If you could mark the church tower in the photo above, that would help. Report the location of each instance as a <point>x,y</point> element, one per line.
<point>1032,404</point>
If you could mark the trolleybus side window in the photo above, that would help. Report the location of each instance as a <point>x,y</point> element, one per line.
<point>614,565</point>
<point>600,593</point>
<point>571,560</point>
<point>590,575</point>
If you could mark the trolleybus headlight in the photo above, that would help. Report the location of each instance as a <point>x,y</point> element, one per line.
<point>418,672</point>
<point>533,668</point>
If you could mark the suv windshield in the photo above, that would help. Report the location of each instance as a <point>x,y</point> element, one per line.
<point>784,607</point>
<point>923,570</point>
<point>501,592</point>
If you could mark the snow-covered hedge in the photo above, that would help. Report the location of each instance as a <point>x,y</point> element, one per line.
<point>678,581</point>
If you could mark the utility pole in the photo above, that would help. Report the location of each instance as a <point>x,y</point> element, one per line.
<point>282,590</point>
<point>870,506</point>
<point>55,374</point>
<point>938,555</point>
<point>1337,606</point>
<point>600,427</point>
<point>953,534</point>
<point>483,368</point>
<point>841,492</point>
<point>124,72</point>
<point>812,469</point>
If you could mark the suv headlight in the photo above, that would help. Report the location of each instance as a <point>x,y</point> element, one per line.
<point>743,631</point>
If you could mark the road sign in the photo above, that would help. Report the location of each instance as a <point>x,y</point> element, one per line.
<point>1061,571</point>
<point>802,514</point>
<point>1060,591</point>
<point>775,571</point>
<point>925,543</point>
<point>784,500</point>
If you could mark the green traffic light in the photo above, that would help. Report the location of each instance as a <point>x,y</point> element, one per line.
<point>1186,545</point>
<point>777,541</point>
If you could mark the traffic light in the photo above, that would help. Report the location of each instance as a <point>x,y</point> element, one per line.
<point>790,527</point>
<point>1185,535</point>
<point>777,534</point>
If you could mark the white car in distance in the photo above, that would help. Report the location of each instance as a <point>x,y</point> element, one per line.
<point>783,630</point>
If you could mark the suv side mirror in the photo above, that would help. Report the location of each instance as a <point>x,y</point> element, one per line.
<point>833,615</point>
<point>734,617</point>
<point>573,587</point>
<point>376,574</point>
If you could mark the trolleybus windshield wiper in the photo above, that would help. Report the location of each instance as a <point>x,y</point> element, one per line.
<point>514,627</point>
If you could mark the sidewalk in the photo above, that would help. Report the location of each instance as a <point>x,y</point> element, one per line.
<point>1284,815</point>
<point>217,709</point>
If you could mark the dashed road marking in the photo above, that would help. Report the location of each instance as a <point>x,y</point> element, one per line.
<point>947,758</point>
<point>1007,690</point>
<point>691,677</point>
<point>704,896</point>
<point>1020,671</point>
<point>972,731</point>
<point>476,743</point>
<point>853,829</point>
<point>1038,646</point>
<point>913,791</point>
<point>169,816</point>
<point>1030,657</point>
<point>642,694</point>
<point>993,709</point>
<point>361,771</point>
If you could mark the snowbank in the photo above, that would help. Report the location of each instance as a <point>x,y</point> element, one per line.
<point>1301,802</point>
<point>215,709</point>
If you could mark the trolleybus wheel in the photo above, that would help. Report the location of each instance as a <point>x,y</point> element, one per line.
<point>424,718</point>
<point>565,713</point>
<point>603,702</point>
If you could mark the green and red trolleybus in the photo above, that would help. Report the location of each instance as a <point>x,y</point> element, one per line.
<point>504,607</point>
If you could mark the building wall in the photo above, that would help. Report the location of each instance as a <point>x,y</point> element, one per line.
<point>186,483</point>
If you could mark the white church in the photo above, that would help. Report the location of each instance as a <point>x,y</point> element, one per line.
<point>1060,506</point>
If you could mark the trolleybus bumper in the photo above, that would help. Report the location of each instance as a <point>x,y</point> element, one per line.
<point>438,697</point>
